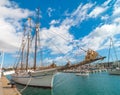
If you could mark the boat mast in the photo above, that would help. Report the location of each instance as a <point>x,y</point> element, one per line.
<point>23,45</point>
<point>28,45</point>
<point>109,52</point>
<point>36,38</point>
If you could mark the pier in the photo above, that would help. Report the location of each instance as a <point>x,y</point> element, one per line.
<point>6,89</point>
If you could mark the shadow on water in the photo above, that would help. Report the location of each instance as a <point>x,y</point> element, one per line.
<point>34,90</point>
<point>70,84</point>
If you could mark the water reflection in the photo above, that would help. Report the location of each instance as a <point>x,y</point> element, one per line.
<point>95,84</point>
<point>65,84</point>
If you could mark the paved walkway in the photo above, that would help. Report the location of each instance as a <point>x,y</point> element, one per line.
<point>1,89</point>
<point>6,89</point>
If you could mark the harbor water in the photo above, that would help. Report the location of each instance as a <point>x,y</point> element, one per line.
<point>70,84</point>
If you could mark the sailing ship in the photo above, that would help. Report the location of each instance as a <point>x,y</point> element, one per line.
<point>42,76</point>
<point>115,71</point>
<point>115,67</point>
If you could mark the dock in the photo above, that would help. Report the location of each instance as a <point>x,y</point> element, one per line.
<point>6,89</point>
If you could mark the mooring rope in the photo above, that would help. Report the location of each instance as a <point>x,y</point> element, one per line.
<point>26,85</point>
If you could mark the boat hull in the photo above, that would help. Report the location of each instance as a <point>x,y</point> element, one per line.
<point>114,72</point>
<point>82,74</point>
<point>36,79</point>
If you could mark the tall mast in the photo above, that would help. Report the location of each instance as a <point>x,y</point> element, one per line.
<point>23,45</point>
<point>36,38</point>
<point>28,45</point>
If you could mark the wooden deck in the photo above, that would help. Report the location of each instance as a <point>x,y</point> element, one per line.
<point>6,89</point>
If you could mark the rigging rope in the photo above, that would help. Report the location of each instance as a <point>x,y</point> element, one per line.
<point>112,44</point>
<point>57,47</point>
<point>65,40</point>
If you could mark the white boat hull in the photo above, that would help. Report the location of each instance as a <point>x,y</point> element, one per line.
<point>38,79</point>
<point>81,74</point>
<point>114,72</point>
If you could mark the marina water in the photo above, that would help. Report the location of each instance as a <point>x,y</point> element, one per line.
<point>70,84</point>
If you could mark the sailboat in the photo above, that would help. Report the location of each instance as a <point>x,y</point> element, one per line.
<point>115,67</point>
<point>42,76</point>
<point>115,71</point>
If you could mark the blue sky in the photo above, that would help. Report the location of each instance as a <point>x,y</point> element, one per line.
<point>64,24</point>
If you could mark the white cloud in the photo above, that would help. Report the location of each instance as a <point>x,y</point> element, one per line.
<point>49,11</point>
<point>15,13</point>
<point>106,2</point>
<point>116,10</point>
<point>99,38</point>
<point>53,22</point>
<point>80,14</point>
<point>97,11</point>
<point>58,61</point>
<point>106,17</point>
<point>57,39</point>
<point>96,38</point>
<point>117,20</point>
<point>8,36</point>
<point>10,24</point>
<point>4,2</point>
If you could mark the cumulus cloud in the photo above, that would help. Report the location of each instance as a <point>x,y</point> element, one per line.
<point>53,22</point>
<point>96,38</point>
<point>97,11</point>
<point>10,24</point>
<point>106,3</point>
<point>79,15</point>
<point>106,17</point>
<point>99,37</point>
<point>117,20</point>
<point>57,38</point>
<point>116,10</point>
